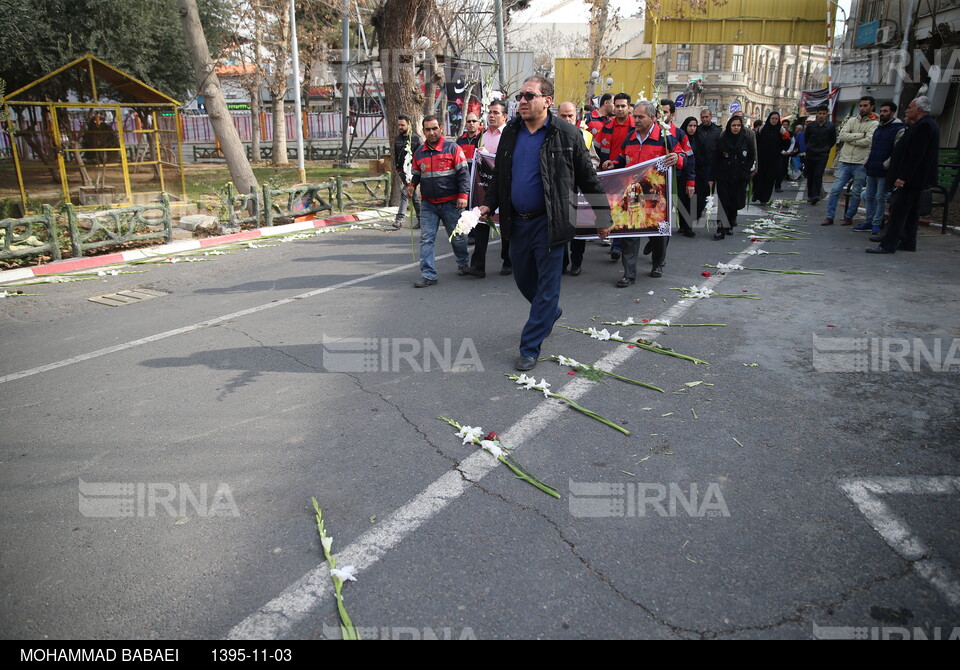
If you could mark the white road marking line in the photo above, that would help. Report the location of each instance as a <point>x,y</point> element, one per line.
<point>203,324</point>
<point>865,494</point>
<point>280,615</point>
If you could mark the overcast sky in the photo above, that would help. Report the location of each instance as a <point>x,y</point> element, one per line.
<point>576,11</point>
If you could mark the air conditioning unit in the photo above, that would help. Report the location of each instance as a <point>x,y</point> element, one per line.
<point>885,34</point>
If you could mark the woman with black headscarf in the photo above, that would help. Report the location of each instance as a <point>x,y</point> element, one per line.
<point>688,176</point>
<point>731,173</point>
<point>771,141</point>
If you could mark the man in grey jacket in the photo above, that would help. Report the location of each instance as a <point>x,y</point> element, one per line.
<point>857,136</point>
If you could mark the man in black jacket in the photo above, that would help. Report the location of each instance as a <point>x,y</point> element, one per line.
<point>915,169</point>
<point>541,162</point>
<point>821,135</point>
<point>405,135</point>
<point>708,133</point>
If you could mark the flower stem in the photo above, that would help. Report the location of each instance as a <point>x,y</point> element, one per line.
<point>649,347</point>
<point>347,629</point>
<point>521,473</point>
<point>592,415</point>
<point>633,381</point>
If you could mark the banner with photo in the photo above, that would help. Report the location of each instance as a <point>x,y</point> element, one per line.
<point>481,176</point>
<point>639,198</point>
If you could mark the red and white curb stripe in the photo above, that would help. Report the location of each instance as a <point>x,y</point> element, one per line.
<point>76,264</point>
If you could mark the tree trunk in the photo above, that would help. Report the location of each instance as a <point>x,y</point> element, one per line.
<point>598,26</point>
<point>209,83</point>
<point>256,132</point>
<point>395,22</point>
<point>279,131</point>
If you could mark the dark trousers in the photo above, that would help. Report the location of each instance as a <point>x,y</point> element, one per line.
<point>763,182</point>
<point>684,205</point>
<point>901,231</point>
<point>702,193</point>
<point>731,197</point>
<point>781,172</point>
<point>481,237</point>
<point>537,271</point>
<point>630,246</point>
<point>575,257</point>
<point>813,170</point>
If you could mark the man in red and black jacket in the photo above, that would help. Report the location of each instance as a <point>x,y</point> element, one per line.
<point>441,171</point>
<point>600,115</point>
<point>614,133</point>
<point>470,139</point>
<point>647,141</point>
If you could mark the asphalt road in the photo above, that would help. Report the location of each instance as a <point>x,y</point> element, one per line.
<point>808,487</point>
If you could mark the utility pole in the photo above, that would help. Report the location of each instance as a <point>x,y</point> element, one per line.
<point>345,91</point>
<point>301,170</point>
<point>501,56</point>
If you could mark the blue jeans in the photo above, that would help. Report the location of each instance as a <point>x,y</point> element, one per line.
<point>843,174</point>
<point>875,195</point>
<point>404,201</point>
<point>431,214</point>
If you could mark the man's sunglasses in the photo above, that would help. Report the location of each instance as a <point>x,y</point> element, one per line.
<point>528,96</point>
<point>472,121</point>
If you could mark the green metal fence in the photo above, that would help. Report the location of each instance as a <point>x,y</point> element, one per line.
<point>111,227</point>
<point>20,239</point>
<point>262,207</point>
<point>301,200</point>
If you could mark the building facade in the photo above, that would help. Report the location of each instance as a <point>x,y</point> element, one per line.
<point>756,79</point>
<point>873,57</point>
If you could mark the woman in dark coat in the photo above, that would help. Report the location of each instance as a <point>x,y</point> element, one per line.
<point>686,176</point>
<point>770,144</point>
<point>731,172</point>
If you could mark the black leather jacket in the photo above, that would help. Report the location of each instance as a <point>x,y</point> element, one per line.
<point>565,166</point>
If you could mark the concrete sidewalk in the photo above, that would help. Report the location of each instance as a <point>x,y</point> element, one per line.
<point>85,263</point>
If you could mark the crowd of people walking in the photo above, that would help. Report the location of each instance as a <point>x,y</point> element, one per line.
<point>879,158</point>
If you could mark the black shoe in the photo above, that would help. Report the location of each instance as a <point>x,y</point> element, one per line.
<point>879,250</point>
<point>507,269</point>
<point>416,226</point>
<point>657,272</point>
<point>424,282</point>
<point>688,233</point>
<point>462,270</point>
<point>720,234</point>
<point>778,189</point>
<point>474,272</point>
<point>575,271</point>
<point>647,248</point>
<point>814,201</point>
<point>625,282</point>
<point>876,238</point>
<point>614,256</point>
<point>901,247</point>
<point>398,224</point>
<point>524,363</point>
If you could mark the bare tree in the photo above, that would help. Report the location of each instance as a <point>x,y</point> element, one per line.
<point>209,85</point>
